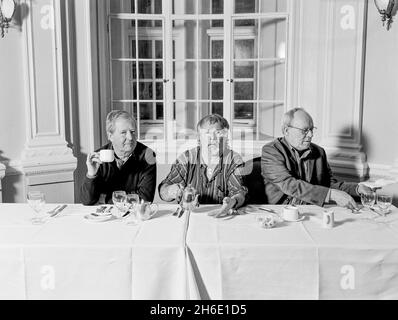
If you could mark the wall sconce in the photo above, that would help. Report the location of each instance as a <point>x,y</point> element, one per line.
<point>385,8</point>
<point>7,9</point>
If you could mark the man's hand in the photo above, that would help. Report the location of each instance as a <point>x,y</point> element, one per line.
<point>343,199</point>
<point>174,191</point>
<point>365,189</point>
<point>93,162</point>
<point>226,208</point>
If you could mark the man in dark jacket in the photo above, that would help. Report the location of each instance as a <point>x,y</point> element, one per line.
<point>132,170</point>
<point>296,171</point>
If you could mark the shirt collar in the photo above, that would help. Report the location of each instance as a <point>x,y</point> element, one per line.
<point>301,154</point>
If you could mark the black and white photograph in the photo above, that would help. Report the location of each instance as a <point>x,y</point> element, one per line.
<point>198,150</point>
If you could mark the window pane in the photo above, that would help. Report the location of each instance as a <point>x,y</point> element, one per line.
<point>158,49</point>
<point>217,6</point>
<point>187,41</point>
<point>159,90</point>
<point>272,81</point>
<point>185,80</point>
<point>144,49</point>
<point>244,49</point>
<point>159,111</point>
<point>245,6</point>
<point>244,69</point>
<point>243,90</point>
<point>146,111</point>
<point>217,107</point>
<point>145,6</point>
<point>217,89</point>
<point>217,70</point>
<point>159,70</point>
<point>217,49</point>
<point>244,111</point>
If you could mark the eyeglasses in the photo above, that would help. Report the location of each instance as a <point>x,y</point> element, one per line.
<point>217,133</point>
<point>305,131</point>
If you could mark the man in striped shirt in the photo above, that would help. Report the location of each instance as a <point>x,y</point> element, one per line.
<point>214,170</point>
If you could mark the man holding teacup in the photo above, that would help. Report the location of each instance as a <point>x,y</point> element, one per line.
<point>296,171</point>
<point>123,164</point>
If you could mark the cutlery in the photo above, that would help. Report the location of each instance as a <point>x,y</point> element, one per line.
<point>175,213</point>
<point>181,212</point>
<point>59,210</point>
<point>101,209</point>
<point>127,213</point>
<point>268,210</point>
<point>53,210</point>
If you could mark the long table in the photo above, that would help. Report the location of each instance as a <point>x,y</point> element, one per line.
<point>197,256</point>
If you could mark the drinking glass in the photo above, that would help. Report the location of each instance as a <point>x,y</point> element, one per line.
<point>384,202</point>
<point>119,200</point>
<point>131,201</point>
<point>368,199</point>
<point>36,201</point>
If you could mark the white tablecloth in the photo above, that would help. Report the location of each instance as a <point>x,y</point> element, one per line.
<point>197,256</point>
<point>71,258</point>
<point>237,259</point>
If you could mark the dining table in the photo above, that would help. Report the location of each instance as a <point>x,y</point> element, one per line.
<point>198,256</point>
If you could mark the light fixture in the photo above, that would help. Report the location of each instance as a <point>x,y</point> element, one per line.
<point>385,8</point>
<point>7,9</point>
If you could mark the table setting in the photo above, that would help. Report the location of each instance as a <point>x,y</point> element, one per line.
<point>133,249</point>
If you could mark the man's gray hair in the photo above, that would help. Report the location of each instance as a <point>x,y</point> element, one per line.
<point>288,117</point>
<point>113,116</point>
<point>212,119</point>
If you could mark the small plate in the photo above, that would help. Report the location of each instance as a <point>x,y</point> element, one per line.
<point>98,218</point>
<point>299,219</point>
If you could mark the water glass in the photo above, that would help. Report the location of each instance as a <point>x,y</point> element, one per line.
<point>384,202</point>
<point>368,199</point>
<point>119,200</point>
<point>36,201</point>
<point>132,200</point>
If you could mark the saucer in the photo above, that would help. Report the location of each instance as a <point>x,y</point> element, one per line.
<point>299,219</point>
<point>98,218</point>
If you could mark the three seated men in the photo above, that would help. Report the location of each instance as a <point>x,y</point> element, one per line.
<point>294,170</point>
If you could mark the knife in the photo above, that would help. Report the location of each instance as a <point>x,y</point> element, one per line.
<point>59,210</point>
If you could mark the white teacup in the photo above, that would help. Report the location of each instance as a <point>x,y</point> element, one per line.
<point>290,213</point>
<point>107,155</point>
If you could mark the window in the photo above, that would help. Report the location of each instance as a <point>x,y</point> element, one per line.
<point>172,62</point>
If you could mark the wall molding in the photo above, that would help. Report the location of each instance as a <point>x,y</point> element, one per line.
<point>46,151</point>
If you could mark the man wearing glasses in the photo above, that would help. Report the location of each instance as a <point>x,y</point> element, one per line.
<point>211,168</point>
<point>296,171</point>
<point>131,169</point>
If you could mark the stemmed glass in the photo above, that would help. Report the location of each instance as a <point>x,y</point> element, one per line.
<point>384,202</point>
<point>368,199</point>
<point>119,200</point>
<point>36,201</point>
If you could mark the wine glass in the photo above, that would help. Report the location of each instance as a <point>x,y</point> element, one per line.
<point>36,201</point>
<point>368,199</point>
<point>119,200</point>
<point>384,202</point>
